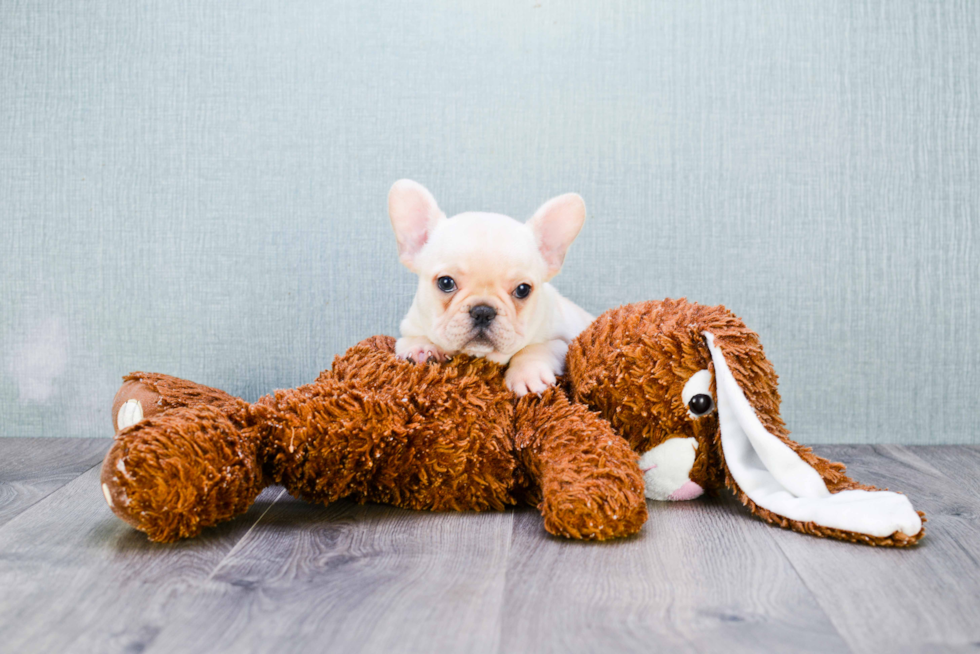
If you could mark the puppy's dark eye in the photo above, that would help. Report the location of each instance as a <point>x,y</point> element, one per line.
<point>700,404</point>
<point>522,291</point>
<point>446,284</point>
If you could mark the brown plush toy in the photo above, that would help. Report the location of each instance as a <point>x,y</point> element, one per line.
<point>376,429</point>
<point>687,387</point>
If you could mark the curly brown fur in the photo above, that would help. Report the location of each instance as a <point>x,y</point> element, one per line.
<point>385,430</point>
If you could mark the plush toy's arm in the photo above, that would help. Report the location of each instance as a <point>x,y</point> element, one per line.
<point>583,475</point>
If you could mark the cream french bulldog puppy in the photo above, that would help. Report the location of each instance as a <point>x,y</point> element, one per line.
<point>483,285</point>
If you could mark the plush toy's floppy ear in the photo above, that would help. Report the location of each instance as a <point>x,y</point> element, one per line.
<point>414,214</point>
<point>774,476</point>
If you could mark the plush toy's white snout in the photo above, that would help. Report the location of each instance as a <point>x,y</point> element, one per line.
<point>667,468</point>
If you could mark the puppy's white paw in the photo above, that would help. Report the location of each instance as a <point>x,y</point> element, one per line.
<point>530,377</point>
<point>419,350</point>
<point>129,414</point>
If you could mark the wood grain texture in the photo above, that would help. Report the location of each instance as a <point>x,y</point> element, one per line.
<point>287,576</point>
<point>350,578</point>
<point>925,598</point>
<point>32,468</point>
<point>699,577</point>
<point>75,578</point>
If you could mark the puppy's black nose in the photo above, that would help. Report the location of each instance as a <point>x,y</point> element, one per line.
<point>482,315</point>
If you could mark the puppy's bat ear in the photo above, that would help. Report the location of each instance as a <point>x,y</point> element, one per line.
<point>781,480</point>
<point>414,214</point>
<point>555,226</point>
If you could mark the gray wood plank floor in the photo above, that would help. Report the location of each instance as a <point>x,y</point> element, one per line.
<point>30,471</point>
<point>702,576</point>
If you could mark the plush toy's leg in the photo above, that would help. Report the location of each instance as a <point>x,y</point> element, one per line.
<point>583,475</point>
<point>183,458</point>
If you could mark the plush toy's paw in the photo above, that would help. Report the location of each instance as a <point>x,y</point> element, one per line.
<point>667,468</point>
<point>419,350</point>
<point>134,402</point>
<point>129,414</point>
<point>529,377</point>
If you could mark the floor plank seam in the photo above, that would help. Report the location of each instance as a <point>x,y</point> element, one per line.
<point>816,597</point>
<point>244,536</point>
<point>884,451</point>
<point>511,512</point>
<point>813,592</point>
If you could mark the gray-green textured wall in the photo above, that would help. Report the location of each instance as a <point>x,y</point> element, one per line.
<point>198,188</point>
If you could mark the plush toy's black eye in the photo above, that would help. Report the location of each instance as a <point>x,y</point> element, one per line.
<point>700,404</point>
<point>522,291</point>
<point>446,284</point>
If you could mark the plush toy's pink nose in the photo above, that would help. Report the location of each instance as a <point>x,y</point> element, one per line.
<point>688,491</point>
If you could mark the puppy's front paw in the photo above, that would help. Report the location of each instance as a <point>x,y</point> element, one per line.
<point>530,377</point>
<point>419,350</point>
